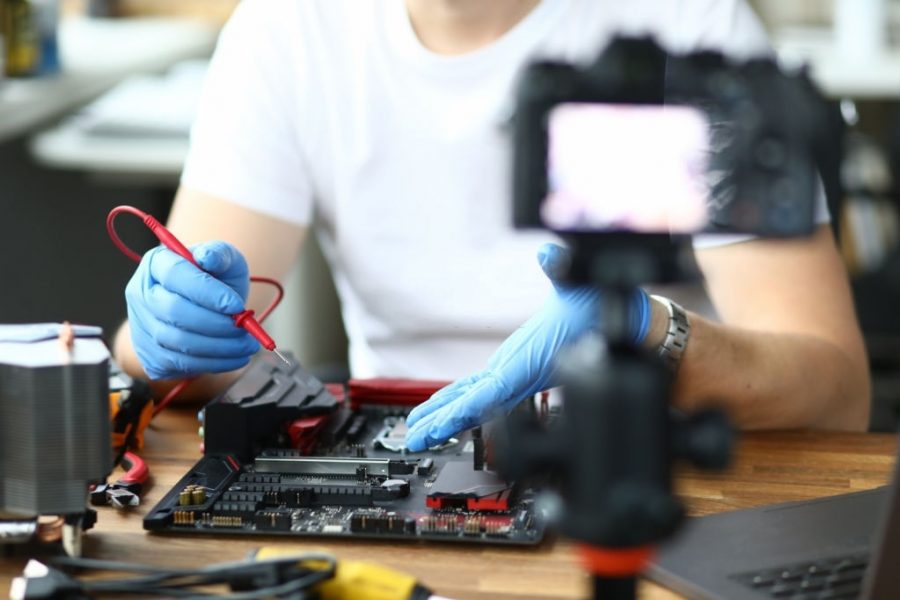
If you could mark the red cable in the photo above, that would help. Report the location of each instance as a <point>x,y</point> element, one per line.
<point>172,394</point>
<point>136,470</point>
<point>243,319</point>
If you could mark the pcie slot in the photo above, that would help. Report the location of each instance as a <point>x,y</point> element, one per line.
<point>319,465</point>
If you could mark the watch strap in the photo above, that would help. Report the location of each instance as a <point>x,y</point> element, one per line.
<point>678,332</point>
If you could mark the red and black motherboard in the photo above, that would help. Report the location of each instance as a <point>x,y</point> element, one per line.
<point>288,455</point>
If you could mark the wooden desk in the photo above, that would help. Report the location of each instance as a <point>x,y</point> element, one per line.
<point>770,467</point>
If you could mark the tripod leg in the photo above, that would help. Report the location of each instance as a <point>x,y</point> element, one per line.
<point>614,588</point>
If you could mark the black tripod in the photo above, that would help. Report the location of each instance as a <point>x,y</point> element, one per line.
<point>613,449</point>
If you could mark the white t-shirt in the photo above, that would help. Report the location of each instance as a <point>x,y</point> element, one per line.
<point>334,108</point>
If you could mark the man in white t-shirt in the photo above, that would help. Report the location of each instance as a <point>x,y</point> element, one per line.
<point>385,119</point>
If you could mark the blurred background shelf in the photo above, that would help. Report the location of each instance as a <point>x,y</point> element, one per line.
<point>96,54</point>
<point>875,78</point>
<point>138,130</point>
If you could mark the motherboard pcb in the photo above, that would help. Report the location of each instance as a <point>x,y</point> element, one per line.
<point>288,456</point>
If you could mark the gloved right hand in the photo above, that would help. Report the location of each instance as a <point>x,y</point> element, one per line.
<point>526,362</point>
<point>180,316</point>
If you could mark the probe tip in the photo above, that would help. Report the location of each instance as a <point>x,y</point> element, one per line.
<point>281,356</point>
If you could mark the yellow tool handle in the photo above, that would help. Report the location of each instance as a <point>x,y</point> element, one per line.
<point>359,580</point>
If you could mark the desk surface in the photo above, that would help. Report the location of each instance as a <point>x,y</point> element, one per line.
<point>770,467</point>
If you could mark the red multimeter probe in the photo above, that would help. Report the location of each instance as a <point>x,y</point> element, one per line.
<point>243,319</point>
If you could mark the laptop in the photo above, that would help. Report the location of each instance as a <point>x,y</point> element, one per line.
<point>835,548</point>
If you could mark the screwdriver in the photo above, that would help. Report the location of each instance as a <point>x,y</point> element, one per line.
<point>243,319</point>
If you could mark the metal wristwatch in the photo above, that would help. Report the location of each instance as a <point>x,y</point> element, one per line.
<point>678,332</point>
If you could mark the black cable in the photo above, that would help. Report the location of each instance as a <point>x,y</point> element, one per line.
<point>277,591</point>
<point>172,582</point>
<point>143,586</point>
<point>161,591</point>
<point>111,565</point>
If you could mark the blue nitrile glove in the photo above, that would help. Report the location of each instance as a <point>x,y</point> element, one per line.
<point>180,316</point>
<point>525,363</point>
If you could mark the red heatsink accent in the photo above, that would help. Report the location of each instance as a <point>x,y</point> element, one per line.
<point>337,390</point>
<point>304,433</point>
<point>396,392</point>
<point>493,502</point>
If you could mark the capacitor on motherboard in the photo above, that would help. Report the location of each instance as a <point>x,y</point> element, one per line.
<point>198,495</point>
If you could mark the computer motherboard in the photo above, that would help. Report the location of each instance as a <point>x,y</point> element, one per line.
<point>287,455</point>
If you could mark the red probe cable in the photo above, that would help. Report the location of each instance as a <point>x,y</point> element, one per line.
<point>242,319</point>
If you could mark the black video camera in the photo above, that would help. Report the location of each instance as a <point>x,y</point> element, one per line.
<point>644,147</point>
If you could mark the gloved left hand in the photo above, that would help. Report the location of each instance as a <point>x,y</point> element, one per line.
<point>525,363</point>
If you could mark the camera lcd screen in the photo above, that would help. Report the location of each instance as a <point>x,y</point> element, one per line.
<point>627,168</point>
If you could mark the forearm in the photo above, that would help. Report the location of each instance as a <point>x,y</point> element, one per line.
<point>201,389</point>
<point>770,380</point>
